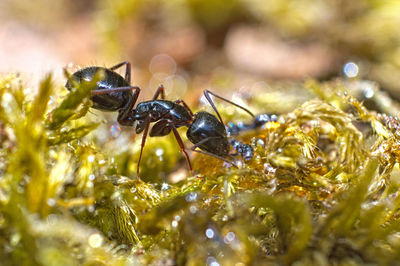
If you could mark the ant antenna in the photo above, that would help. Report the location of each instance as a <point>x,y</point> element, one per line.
<point>207,95</point>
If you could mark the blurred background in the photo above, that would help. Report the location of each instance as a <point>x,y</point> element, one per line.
<point>190,45</point>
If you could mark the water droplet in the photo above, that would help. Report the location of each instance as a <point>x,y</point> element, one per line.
<point>115,130</point>
<point>350,69</point>
<point>209,233</point>
<point>212,261</point>
<point>259,142</point>
<point>192,196</point>
<point>239,164</point>
<point>177,218</point>
<point>92,177</point>
<point>20,190</point>
<point>193,209</point>
<point>91,208</point>
<point>51,202</point>
<point>174,223</point>
<point>133,189</point>
<point>91,158</point>
<point>95,240</point>
<point>165,186</point>
<point>229,237</point>
<point>15,238</point>
<point>159,152</point>
<point>269,168</point>
<point>7,97</point>
<point>368,92</point>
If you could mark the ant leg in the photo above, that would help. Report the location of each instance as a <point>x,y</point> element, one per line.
<point>201,142</point>
<point>146,130</point>
<point>127,71</point>
<point>126,111</point>
<point>120,65</point>
<point>213,105</point>
<point>180,101</point>
<point>110,90</point>
<point>160,90</point>
<point>207,95</point>
<point>181,146</point>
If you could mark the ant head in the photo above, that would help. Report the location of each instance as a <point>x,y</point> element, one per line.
<point>209,134</point>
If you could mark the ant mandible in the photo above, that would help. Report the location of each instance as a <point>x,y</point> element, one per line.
<point>205,131</point>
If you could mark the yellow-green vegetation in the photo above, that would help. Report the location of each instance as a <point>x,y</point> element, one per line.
<point>321,189</point>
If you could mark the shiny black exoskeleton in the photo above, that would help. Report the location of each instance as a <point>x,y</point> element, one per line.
<point>167,114</point>
<point>205,131</point>
<point>107,97</point>
<point>209,134</point>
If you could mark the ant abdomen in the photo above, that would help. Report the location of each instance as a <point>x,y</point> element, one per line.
<point>112,101</point>
<point>209,134</point>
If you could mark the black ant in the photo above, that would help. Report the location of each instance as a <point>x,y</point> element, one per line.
<point>205,131</point>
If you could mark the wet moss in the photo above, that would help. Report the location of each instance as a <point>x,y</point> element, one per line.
<point>321,188</point>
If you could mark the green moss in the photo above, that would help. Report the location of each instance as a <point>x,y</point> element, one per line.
<point>319,189</point>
